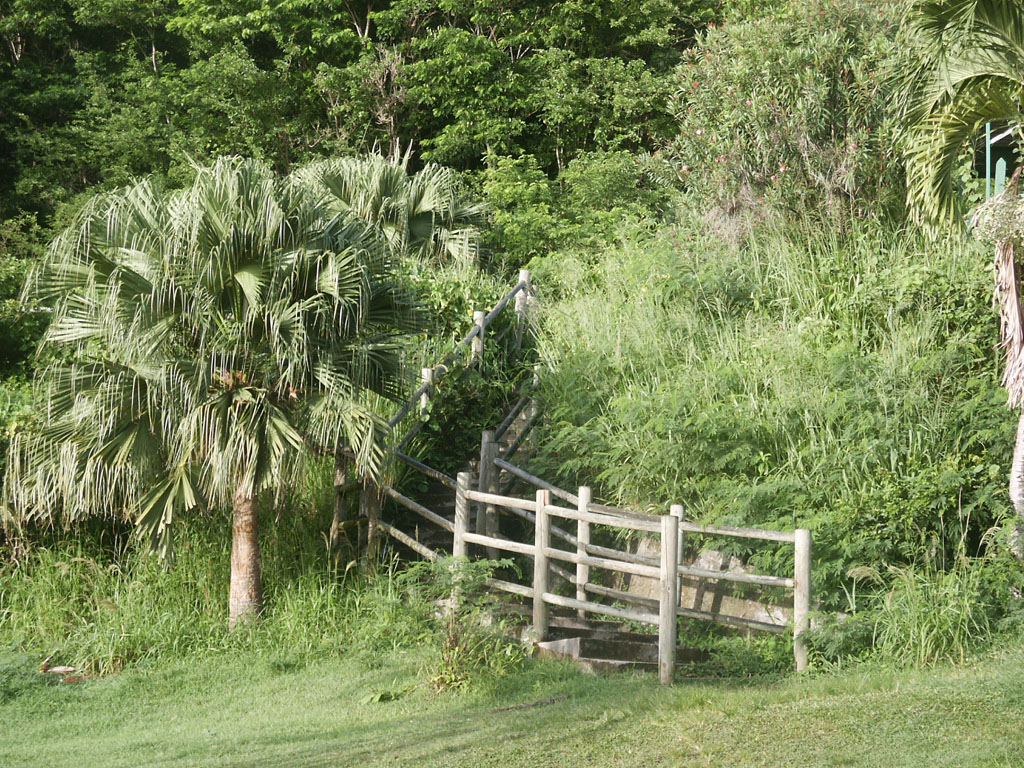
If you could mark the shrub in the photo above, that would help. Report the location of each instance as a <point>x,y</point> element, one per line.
<point>470,641</point>
<point>791,112</point>
<point>845,383</point>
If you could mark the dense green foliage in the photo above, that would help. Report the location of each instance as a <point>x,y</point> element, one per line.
<point>791,112</point>
<point>736,313</point>
<point>88,600</point>
<point>98,91</point>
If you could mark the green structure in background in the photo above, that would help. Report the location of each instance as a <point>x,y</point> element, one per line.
<point>1000,158</point>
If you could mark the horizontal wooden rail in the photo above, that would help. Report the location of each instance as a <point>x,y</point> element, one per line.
<point>419,509</point>
<point>426,469</point>
<point>409,541</point>
<point>600,518</point>
<point>506,545</point>
<point>531,518</point>
<point>690,613</point>
<point>534,480</point>
<point>739,533</point>
<point>624,512</point>
<point>607,610</point>
<point>740,578</point>
<point>510,586</point>
<point>501,501</point>
<point>651,525</point>
<point>603,562</point>
<point>565,495</point>
<point>706,530</point>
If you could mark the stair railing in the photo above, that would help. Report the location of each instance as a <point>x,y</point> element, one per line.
<point>667,569</point>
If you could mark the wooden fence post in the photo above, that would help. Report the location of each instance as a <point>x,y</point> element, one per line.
<point>478,340</point>
<point>340,513</point>
<point>487,514</point>
<point>582,540</point>
<point>679,513</point>
<point>541,575</point>
<point>459,548</point>
<point>521,300</point>
<point>427,378</point>
<point>667,622</point>
<point>369,507</point>
<point>801,596</point>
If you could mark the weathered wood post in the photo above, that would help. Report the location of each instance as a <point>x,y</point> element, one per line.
<point>340,512</point>
<point>582,540</point>
<point>541,573</point>
<point>369,507</point>
<point>487,514</point>
<point>679,513</point>
<point>427,380</point>
<point>801,596</point>
<point>462,481</point>
<point>478,340</point>
<point>667,622</point>
<point>521,300</point>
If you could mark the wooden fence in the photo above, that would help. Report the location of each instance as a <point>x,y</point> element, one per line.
<point>670,529</point>
<point>666,569</point>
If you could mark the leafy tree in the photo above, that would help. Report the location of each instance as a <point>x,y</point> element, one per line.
<point>205,344</point>
<point>966,68</point>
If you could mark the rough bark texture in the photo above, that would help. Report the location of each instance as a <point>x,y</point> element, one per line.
<point>246,599</point>
<point>369,507</point>
<point>1017,489</point>
<point>340,508</point>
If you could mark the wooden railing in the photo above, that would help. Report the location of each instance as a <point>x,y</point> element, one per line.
<point>547,560</point>
<point>418,402</point>
<point>666,569</point>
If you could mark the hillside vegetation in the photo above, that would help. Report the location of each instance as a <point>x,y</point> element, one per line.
<point>735,310</point>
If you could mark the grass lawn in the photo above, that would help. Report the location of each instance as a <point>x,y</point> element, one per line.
<point>219,711</point>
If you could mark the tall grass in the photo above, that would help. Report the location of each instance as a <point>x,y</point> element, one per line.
<point>101,608</point>
<point>842,381</point>
<point>929,615</point>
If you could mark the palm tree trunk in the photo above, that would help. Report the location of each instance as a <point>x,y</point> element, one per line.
<point>369,507</point>
<point>1017,490</point>
<point>340,508</point>
<point>246,598</point>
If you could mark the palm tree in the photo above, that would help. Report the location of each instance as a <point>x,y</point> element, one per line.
<point>424,215</point>
<point>967,69</point>
<point>421,216</point>
<point>204,345</point>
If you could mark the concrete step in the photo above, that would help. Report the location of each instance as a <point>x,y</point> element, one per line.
<point>615,654</point>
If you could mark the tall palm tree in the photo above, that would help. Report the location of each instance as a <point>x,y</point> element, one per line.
<point>966,68</point>
<point>204,344</point>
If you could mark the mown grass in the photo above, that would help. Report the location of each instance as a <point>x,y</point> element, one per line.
<point>245,711</point>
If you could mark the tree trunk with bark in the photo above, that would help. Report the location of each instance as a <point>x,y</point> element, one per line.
<point>246,597</point>
<point>369,507</point>
<point>336,537</point>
